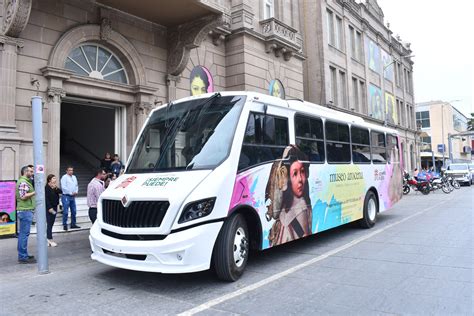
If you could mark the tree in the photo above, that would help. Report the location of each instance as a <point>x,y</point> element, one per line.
<point>470,122</point>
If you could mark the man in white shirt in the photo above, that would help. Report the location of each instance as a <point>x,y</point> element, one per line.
<point>70,189</point>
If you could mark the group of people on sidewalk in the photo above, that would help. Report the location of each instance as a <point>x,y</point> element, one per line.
<point>26,200</point>
<point>26,203</point>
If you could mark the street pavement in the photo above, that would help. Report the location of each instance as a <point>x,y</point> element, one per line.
<point>418,259</point>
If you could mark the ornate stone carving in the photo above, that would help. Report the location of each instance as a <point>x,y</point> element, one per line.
<point>16,15</point>
<point>105,29</point>
<point>143,108</point>
<point>280,38</point>
<point>186,37</point>
<point>55,94</point>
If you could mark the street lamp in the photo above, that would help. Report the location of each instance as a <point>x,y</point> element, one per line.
<point>442,128</point>
<point>395,60</point>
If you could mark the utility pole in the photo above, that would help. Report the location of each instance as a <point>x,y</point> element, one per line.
<point>37,106</point>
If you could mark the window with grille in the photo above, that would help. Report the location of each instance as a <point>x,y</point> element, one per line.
<point>92,60</point>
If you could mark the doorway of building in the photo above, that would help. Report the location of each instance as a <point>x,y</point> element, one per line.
<point>87,133</point>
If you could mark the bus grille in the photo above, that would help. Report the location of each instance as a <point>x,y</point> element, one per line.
<point>137,215</point>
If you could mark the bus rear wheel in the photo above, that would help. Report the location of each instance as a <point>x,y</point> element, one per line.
<point>231,250</point>
<point>371,208</point>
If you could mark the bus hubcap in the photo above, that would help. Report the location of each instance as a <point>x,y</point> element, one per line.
<point>371,209</point>
<point>240,247</point>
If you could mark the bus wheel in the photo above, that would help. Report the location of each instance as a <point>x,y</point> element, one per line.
<point>231,251</point>
<point>370,210</point>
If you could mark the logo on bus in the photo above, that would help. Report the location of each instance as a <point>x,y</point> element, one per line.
<point>379,175</point>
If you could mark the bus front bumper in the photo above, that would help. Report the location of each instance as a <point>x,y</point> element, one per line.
<point>189,250</point>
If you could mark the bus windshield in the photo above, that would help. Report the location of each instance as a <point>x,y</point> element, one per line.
<point>196,134</point>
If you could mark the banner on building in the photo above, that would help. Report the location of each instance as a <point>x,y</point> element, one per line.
<point>376,109</point>
<point>391,108</point>
<point>7,208</point>
<point>388,65</point>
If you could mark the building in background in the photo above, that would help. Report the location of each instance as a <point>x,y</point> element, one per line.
<point>355,64</point>
<point>435,121</point>
<point>101,66</point>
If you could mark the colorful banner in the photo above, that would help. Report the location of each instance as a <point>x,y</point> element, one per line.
<point>373,55</point>
<point>294,198</point>
<point>391,108</point>
<point>388,64</point>
<point>376,109</point>
<point>7,208</point>
<point>276,89</point>
<point>200,81</point>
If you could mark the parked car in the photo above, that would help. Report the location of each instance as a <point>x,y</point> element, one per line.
<point>461,172</point>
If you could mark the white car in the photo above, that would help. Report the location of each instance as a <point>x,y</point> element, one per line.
<point>460,172</point>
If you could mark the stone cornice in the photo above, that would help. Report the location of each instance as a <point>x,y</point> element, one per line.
<point>58,73</point>
<point>11,41</point>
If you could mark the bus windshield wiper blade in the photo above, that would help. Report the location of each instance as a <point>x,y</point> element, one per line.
<point>178,124</point>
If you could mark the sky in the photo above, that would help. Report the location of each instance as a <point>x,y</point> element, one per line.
<point>442,41</point>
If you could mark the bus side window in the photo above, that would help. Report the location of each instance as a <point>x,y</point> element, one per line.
<point>378,147</point>
<point>338,147</point>
<point>310,137</point>
<point>266,137</point>
<point>360,145</point>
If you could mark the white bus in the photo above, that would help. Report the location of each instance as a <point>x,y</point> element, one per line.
<point>211,177</point>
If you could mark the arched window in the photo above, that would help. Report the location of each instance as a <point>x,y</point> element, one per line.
<point>95,61</point>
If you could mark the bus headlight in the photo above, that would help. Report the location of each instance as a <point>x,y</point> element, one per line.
<point>197,209</point>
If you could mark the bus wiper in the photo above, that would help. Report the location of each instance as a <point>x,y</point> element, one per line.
<point>177,125</point>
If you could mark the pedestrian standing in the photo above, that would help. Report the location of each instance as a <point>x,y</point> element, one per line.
<point>94,189</point>
<point>70,189</point>
<point>25,205</point>
<point>51,193</point>
<point>116,165</point>
<point>105,162</point>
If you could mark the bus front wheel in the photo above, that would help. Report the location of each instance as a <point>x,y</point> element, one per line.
<point>370,210</point>
<point>231,250</point>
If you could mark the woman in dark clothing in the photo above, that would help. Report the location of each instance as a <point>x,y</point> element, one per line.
<point>105,163</point>
<point>51,193</point>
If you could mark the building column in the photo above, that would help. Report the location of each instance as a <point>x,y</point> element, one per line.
<point>142,109</point>
<point>54,129</point>
<point>171,83</point>
<point>9,135</point>
<point>8,67</point>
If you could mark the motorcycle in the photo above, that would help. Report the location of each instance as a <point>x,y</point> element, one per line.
<point>421,185</point>
<point>441,183</point>
<point>454,182</point>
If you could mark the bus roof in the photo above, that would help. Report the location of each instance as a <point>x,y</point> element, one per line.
<point>296,105</point>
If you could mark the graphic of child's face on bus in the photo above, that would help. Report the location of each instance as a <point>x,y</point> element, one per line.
<point>297,178</point>
<point>287,196</point>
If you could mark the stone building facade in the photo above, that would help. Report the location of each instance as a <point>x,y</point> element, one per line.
<point>355,64</point>
<point>101,66</point>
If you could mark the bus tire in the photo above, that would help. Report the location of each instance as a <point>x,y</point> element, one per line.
<point>231,250</point>
<point>371,208</point>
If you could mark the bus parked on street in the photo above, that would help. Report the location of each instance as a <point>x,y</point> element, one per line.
<point>213,176</point>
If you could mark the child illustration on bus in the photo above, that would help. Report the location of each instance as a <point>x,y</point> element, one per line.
<point>287,197</point>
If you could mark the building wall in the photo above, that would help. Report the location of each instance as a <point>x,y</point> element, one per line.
<point>336,76</point>
<point>441,124</point>
<point>241,54</point>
